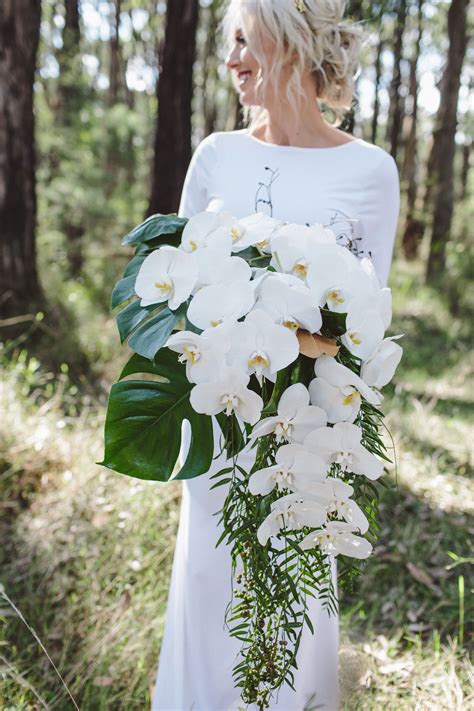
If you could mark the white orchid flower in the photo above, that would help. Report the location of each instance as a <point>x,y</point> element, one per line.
<point>295,418</point>
<point>220,269</point>
<point>381,366</point>
<point>167,274</point>
<point>292,512</point>
<point>338,390</point>
<point>209,230</point>
<point>364,331</point>
<point>336,277</point>
<point>228,393</point>
<point>335,495</point>
<point>293,248</point>
<point>203,356</point>
<point>289,305</point>
<point>254,231</point>
<point>337,538</point>
<point>295,469</point>
<point>341,445</point>
<point>262,347</point>
<point>218,303</point>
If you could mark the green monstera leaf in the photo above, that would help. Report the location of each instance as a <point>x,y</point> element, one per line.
<point>156,230</point>
<point>143,422</point>
<point>146,328</point>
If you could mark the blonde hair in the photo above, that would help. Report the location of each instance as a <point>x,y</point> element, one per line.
<point>315,39</point>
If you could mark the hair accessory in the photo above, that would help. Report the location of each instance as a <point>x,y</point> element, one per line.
<point>300,5</point>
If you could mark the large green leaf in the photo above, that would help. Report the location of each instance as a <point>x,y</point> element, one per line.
<point>132,315</point>
<point>123,291</point>
<point>144,418</point>
<point>152,333</point>
<point>145,248</point>
<point>156,226</point>
<point>133,266</point>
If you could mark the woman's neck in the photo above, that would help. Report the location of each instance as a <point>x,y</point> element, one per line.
<point>309,130</point>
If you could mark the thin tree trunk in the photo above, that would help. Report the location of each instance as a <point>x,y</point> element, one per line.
<point>210,76</point>
<point>69,65</point>
<point>443,149</point>
<point>69,92</point>
<point>414,227</point>
<point>395,112</point>
<point>378,76</point>
<point>466,164</point>
<point>19,36</point>
<point>115,55</point>
<point>175,91</point>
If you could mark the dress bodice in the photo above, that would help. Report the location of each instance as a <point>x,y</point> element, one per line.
<point>353,187</point>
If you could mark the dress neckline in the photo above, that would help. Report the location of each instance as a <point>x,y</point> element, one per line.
<point>300,148</point>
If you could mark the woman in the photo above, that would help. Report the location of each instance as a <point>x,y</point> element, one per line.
<point>285,56</point>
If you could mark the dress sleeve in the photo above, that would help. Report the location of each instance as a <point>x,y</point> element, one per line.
<point>380,215</point>
<point>195,193</point>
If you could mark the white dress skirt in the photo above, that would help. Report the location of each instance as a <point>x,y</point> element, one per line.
<point>354,188</point>
<point>197,653</point>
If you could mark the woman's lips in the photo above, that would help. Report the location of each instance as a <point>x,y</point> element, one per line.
<point>243,76</point>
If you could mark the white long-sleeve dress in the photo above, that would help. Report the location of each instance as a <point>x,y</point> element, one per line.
<point>355,188</point>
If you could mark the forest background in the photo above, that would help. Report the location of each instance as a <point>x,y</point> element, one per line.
<point>101,105</point>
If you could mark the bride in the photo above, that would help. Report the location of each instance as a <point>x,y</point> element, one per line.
<point>285,57</point>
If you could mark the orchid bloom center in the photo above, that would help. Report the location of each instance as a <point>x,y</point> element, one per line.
<point>231,402</point>
<point>335,297</point>
<point>165,287</point>
<point>193,245</point>
<point>345,459</point>
<point>325,538</point>
<point>258,360</point>
<point>354,337</point>
<point>191,354</point>
<point>349,395</point>
<point>300,269</point>
<point>283,477</point>
<point>262,244</point>
<point>235,234</point>
<point>216,323</point>
<point>283,430</point>
<point>291,323</point>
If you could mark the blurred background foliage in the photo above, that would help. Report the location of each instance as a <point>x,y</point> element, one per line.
<point>101,105</point>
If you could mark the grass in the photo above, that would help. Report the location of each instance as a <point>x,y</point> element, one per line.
<point>86,554</point>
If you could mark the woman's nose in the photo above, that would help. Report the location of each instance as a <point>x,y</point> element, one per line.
<point>233,58</point>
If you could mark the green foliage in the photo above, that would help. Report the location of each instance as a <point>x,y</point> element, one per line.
<point>144,418</point>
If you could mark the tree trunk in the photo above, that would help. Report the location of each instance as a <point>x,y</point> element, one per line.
<point>395,112</point>
<point>466,164</point>
<point>175,91</point>
<point>378,77</point>
<point>210,75</point>
<point>414,227</point>
<point>19,36</point>
<point>69,65</point>
<point>115,58</point>
<point>443,139</point>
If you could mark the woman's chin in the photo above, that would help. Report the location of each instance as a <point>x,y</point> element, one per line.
<point>247,99</point>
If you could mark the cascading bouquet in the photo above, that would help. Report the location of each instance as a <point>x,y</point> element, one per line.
<point>279,333</point>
